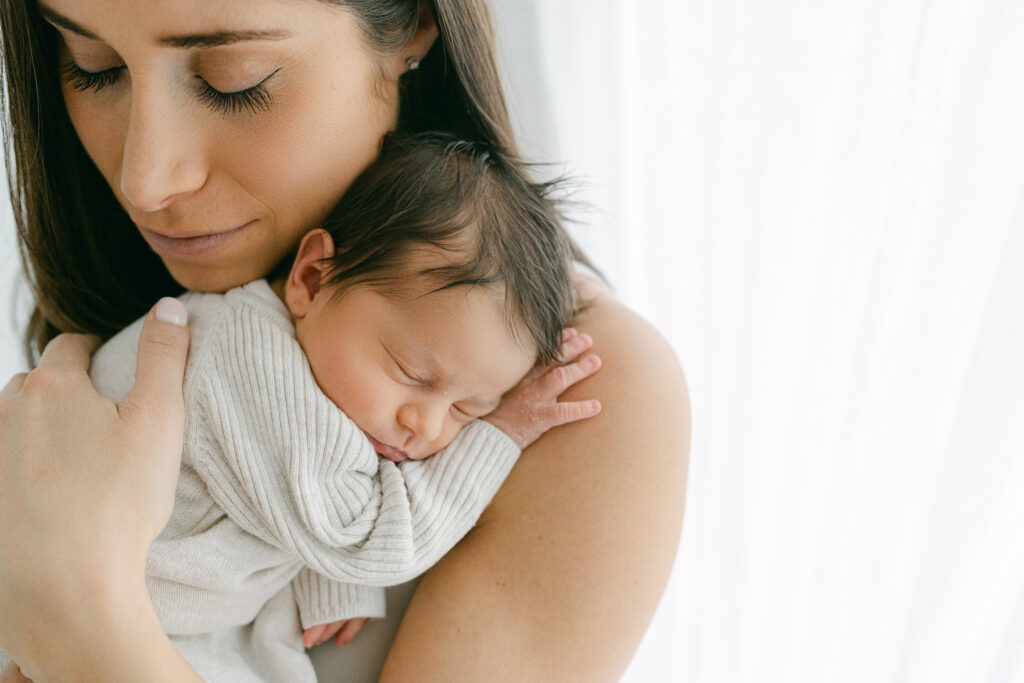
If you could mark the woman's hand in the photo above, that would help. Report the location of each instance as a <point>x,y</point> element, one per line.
<point>13,674</point>
<point>85,484</point>
<point>532,407</point>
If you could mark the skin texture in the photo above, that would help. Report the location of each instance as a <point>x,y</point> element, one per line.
<point>562,574</point>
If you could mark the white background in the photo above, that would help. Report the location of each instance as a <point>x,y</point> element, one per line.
<point>820,205</point>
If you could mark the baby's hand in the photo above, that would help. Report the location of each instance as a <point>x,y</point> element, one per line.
<point>532,407</point>
<point>348,628</point>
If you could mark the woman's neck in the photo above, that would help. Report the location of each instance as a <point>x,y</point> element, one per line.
<point>278,287</point>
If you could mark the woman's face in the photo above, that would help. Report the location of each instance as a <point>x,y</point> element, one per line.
<point>225,129</point>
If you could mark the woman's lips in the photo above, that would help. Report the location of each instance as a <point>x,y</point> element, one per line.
<point>190,246</point>
<point>390,452</point>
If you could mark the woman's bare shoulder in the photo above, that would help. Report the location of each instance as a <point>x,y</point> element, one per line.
<point>570,560</point>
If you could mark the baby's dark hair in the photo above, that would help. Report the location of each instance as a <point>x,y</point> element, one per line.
<point>498,225</point>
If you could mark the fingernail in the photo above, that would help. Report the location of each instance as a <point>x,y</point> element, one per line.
<point>568,333</point>
<point>170,310</point>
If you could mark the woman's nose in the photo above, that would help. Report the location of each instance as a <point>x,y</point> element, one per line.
<point>424,419</point>
<point>163,156</point>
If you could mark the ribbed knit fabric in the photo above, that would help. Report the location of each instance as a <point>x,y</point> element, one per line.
<point>280,494</point>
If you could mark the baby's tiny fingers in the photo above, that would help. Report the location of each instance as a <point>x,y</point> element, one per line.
<point>313,635</point>
<point>573,345</point>
<point>349,631</point>
<point>564,376</point>
<point>571,411</point>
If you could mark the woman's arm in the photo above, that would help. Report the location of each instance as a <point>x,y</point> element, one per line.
<point>562,574</point>
<point>85,487</point>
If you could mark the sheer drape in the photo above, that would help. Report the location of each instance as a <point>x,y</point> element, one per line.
<point>820,205</point>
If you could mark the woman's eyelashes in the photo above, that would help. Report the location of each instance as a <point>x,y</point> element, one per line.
<point>253,100</point>
<point>83,80</point>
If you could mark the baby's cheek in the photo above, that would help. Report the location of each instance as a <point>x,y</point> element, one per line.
<point>448,434</point>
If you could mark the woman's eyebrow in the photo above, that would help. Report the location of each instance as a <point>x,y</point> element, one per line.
<point>200,40</point>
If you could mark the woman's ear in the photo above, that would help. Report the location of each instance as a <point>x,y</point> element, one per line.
<point>422,40</point>
<point>307,274</point>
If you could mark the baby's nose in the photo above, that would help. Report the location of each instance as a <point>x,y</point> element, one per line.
<point>425,420</point>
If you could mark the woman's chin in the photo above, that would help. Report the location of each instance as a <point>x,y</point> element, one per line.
<point>206,277</point>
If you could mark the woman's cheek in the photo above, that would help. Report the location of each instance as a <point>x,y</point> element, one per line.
<point>298,171</point>
<point>98,127</point>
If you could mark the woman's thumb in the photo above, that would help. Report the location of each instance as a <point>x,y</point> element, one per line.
<point>160,367</point>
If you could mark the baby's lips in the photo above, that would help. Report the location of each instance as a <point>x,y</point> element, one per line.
<point>390,452</point>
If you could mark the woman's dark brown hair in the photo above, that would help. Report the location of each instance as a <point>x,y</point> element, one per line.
<point>88,268</point>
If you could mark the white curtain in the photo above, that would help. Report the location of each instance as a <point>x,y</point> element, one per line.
<point>821,205</point>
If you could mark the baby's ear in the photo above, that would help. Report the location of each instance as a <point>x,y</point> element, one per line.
<point>308,271</point>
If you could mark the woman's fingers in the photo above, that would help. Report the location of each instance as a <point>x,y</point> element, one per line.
<point>13,386</point>
<point>14,674</point>
<point>160,367</point>
<point>80,484</point>
<point>69,350</point>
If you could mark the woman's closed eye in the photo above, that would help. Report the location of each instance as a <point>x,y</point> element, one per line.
<point>254,99</point>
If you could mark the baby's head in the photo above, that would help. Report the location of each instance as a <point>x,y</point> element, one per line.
<point>438,281</point>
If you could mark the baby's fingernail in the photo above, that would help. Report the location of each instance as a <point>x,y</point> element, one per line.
<point>568,333</point>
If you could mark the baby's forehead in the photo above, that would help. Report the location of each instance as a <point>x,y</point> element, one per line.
<point>464,336</point>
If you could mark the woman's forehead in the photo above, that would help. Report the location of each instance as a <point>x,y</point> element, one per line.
<point>189,24</point>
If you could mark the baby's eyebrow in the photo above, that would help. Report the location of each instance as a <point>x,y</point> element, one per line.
<point>197,40</point>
